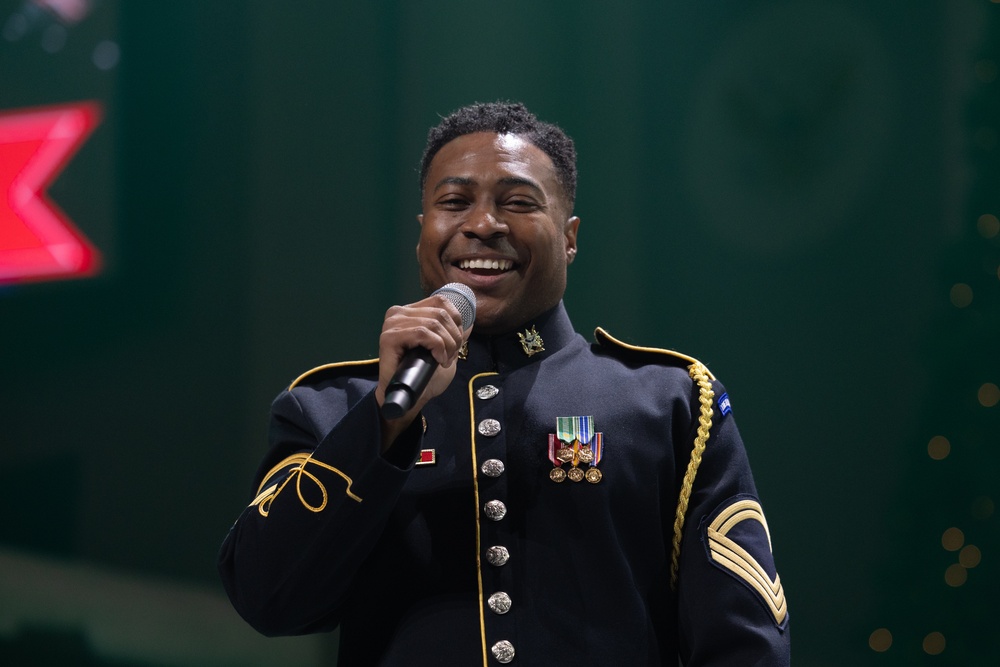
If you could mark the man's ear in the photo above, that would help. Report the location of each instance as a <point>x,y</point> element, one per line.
<point>572,226</point>
<point>420,219</point>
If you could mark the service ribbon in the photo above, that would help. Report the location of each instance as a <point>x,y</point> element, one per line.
<point>580,429</point>
<point>553,448</point>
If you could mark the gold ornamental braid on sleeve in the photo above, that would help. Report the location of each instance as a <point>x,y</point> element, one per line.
<point>701,376</point>
<point>296,466</point>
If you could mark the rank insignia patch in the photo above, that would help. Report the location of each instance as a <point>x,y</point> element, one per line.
<point>428,457</point>
<point>739,543</point>
<point>575,442</point>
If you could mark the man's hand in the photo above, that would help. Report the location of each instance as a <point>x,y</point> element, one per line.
<point>433,324</point>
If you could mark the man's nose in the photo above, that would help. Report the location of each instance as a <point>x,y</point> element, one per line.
<point>484,221</point>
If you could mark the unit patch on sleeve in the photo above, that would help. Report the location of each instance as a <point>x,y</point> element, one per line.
<point>724,406</point>
<point>739,543</point>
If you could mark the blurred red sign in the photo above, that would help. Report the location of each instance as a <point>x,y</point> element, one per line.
<point>37,240</point>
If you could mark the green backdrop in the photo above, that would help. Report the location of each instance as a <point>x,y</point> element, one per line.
<point>789,191</point>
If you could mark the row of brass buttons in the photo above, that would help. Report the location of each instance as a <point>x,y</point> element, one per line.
<point>495,510</point>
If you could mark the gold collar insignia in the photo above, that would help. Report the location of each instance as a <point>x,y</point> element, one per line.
<point>531,341</point>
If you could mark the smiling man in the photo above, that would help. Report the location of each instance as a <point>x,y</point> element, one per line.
<point>545,501</point>
<point>497,219</point>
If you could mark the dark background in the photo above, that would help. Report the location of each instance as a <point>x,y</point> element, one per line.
<point>789,191</point>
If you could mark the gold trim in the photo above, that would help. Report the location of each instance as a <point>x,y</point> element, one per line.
<point>733,557</point>
<point>324,367</point>
<point>475,494</point>
<point>599,332</point>
<point>263,495</point>
<point>266,496</point>
<point>706,394</point>
<point>298,457</point>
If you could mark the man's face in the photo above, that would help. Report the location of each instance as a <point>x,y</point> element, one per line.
<point>495,219</point>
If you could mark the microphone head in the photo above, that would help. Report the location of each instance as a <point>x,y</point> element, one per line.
<point>462,298</point>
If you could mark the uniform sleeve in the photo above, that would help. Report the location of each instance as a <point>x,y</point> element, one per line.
<point>732,608</point>
<point>324,495</point>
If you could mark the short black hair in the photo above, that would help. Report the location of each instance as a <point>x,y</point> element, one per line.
<point>506,118</point>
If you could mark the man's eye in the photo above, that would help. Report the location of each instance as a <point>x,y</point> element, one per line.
<point>452,202</point>
<point>521,204</point>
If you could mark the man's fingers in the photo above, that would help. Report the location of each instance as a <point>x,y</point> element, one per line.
<point>436,328</point>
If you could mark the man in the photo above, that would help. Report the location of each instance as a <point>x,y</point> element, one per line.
<point>545,501</point>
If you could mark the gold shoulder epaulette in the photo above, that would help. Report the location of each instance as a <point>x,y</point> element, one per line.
<point>656,354</point>
<point>337,369</point>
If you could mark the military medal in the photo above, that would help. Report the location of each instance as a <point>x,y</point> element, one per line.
<point>575,442</point>
<point>594,475</point>
<point>557,474</point>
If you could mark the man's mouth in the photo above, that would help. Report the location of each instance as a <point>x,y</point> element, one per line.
<point>486,265</point>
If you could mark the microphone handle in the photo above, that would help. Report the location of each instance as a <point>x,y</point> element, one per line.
<point>408,382</point>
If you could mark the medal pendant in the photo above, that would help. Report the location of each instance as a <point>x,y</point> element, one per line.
<point>575,475</point>
<point>594,475</point>
<point>557,475</point>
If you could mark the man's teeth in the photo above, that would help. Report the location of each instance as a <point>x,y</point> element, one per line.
<point>499,264</point>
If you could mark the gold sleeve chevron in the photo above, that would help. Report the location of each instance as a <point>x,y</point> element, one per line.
<point>734,558</point>
<point>295,466</point>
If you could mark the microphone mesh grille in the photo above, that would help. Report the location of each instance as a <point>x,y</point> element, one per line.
<point>462,298</point>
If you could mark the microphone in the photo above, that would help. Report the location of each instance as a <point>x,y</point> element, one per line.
<point>417,365</point>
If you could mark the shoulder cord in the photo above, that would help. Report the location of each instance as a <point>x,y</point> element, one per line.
<point>699,374</point>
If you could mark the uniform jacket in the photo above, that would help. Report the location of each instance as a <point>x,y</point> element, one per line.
<point>458,547</point>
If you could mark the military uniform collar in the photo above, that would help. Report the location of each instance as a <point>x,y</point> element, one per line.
<point>506,352</point>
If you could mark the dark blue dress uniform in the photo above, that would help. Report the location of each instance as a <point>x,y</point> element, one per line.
<point>503,543</point>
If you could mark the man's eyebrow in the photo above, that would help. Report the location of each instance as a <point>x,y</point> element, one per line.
<point>453,180</point>
<point>517,180</point>
<point>509,180</point>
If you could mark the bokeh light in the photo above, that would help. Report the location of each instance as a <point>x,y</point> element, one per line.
<point>955,575</point>
<point>989,395</point>
<point>934,643</point>
<point>988,225</point>
<point>961,295</point>
<point>970,556</point>
<point>983,507</point>
<point>939,448</point>
<point>880,640</point>
<point>953,539</point>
